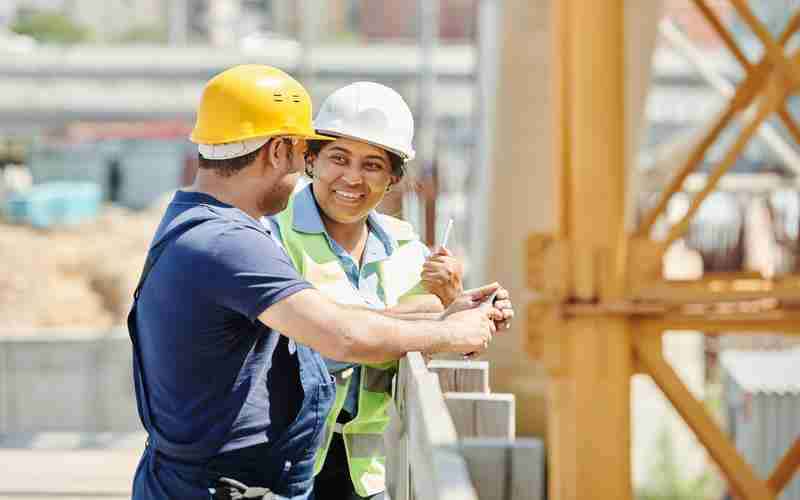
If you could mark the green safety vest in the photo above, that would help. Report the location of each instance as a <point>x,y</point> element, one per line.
<point>399,277</point>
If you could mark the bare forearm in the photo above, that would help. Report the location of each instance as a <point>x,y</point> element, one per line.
<point>418,308</point>
<point>372,337</point>
<point>427,303</point>
<point>412,315</point>
<point>359,335</point>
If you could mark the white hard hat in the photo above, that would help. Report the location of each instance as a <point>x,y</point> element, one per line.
<point>231,149</point>
<point>369,112</point>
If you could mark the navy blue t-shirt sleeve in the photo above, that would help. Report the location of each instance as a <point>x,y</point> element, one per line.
<point>251,272</point>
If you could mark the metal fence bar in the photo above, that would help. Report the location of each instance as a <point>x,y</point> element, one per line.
<point>438,471</point>
<point>458,445</point>
<point>739,473</point>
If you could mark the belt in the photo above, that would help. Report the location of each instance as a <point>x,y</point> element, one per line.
<point>228,489</point>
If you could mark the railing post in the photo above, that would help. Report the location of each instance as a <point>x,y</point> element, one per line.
<point>429,453</point>
<point>503,470</point>
<point>482,415</point>
<point>461,376</point>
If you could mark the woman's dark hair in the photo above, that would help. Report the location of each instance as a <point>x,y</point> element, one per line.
<point>398,165</point>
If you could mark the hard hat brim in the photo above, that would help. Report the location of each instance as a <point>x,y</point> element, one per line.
<point>405,156</point>
<point>318,137</point>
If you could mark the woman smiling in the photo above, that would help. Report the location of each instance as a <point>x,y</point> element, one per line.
<point>357,256</point>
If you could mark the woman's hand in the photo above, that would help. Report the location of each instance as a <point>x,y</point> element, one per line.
<point>442,276</point>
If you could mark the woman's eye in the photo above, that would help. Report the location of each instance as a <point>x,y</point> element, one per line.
<point>339,160</point>
<point>373,166</point>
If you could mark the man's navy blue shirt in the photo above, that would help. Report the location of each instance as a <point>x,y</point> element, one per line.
<point>208,361</point>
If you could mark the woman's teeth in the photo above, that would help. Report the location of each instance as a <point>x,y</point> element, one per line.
<point>349,196</point>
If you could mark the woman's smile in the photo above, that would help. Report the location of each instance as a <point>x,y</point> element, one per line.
<point>349,197</point>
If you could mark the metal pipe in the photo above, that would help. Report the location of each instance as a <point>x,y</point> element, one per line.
<point>178,23</point>
<point>427,40</point>
<point>489,18</point>
<point>310,16</point>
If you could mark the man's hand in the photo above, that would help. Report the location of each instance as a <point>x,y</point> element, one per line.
<point>442,276</point>
<point>470,330</point>
<point>503,310</point>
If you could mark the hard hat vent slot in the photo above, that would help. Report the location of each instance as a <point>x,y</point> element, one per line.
<point>277,97</point>
<point>295,98</point>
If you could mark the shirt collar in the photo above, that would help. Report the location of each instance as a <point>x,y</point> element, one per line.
<point>307,219</point>
<point>182,197</point>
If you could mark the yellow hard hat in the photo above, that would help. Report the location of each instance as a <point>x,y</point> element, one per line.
<point>253,101</point>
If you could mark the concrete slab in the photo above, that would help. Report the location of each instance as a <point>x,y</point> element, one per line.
<point>74,441</point>
<point>67,474</point>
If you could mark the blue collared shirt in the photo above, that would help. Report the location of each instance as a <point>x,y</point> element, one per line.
<point>365,279</point>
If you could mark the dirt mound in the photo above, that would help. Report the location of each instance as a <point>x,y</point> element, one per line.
<point>81,276</point>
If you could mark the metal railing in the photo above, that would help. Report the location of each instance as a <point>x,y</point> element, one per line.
<point>451,439</point>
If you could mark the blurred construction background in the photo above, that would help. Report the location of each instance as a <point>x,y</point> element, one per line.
<point>96,101</point>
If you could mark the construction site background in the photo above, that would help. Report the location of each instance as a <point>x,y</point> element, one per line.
<point>68,280</point>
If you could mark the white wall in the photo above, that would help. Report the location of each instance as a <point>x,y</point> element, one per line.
<point>77,382</point>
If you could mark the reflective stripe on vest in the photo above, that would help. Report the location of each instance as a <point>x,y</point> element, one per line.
<point>399,275</point>
<point>364,445</point>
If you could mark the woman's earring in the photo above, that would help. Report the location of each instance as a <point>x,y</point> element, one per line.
<point>388,188</point>
<point>309,170</point>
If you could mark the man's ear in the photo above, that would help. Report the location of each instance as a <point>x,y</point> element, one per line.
<point>273,152</point>
<point>309,159</point>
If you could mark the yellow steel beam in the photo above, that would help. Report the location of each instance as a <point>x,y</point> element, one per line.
<point>768,105</point>
<point>596,151</point>
<point>726,35</point>
<point>720,289</point>
<point>786,322</point>
<point>787,467</point>
<point>590,359</point>
<point>740,475</point>
<point>730,43</point>
<point>696,156</point>
<point>773,49</point>
<point>791,124</point>
<point>561,126</point>
<point>586,342</point>
<point>744,95</point>
<point>788,120</point>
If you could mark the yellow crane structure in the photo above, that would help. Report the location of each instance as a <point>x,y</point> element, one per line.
<point>601,303</point>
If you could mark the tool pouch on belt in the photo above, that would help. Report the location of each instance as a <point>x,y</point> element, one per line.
<point>231,489</point>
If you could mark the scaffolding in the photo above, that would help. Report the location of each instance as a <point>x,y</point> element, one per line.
<point>603,305</point>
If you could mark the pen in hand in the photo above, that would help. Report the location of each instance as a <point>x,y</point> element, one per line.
<point>447,231</point>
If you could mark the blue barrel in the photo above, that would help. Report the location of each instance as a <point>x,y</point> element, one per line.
<point>55,203</point>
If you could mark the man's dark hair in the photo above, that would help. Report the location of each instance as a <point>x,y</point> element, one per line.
<point>398,165</point>
<point>232,166</point>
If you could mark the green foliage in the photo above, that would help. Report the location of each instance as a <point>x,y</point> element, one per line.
<point>346,37</point>
<point>667,480</point>
<point>156,34</point>
<point>50,27</point>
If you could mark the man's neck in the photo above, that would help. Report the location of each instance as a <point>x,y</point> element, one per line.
<point>226,192</point>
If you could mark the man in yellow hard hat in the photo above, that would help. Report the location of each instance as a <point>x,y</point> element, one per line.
<point>227,401</point>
